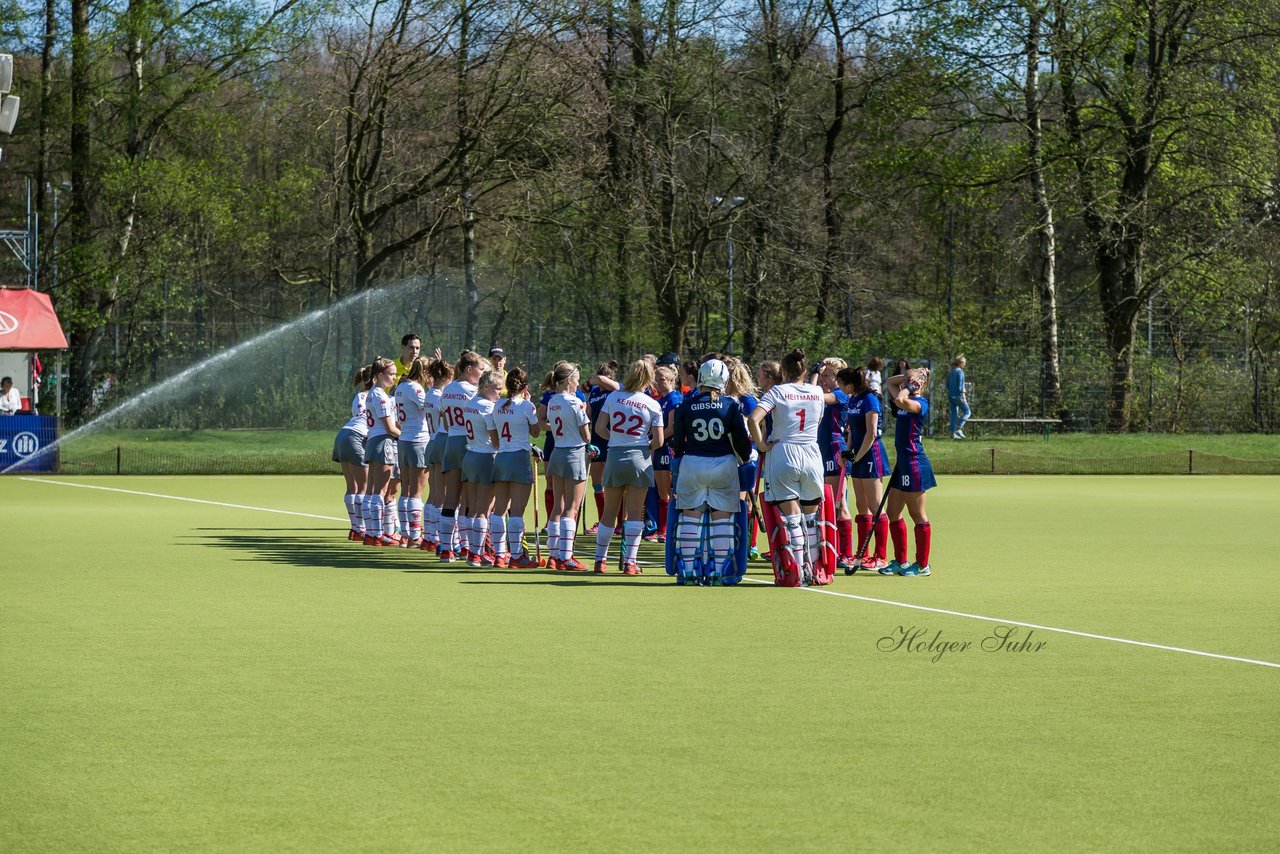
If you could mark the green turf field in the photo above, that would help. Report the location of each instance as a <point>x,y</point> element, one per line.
<point>1257,446</point>
<point>179,675</point>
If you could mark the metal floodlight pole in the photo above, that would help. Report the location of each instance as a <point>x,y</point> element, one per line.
<point>730,204</point>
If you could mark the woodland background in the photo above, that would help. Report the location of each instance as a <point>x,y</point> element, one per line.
<point>1081,197</point>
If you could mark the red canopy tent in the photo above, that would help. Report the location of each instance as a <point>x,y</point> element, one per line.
<point>29,323</point>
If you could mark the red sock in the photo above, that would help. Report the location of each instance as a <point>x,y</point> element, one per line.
<point>898,530</point>
<point>882,536</point>
<point>547,498</point>
<point>663,504</point>
<point>600,504</point>
<point>924,539</point>
<point>845,537</point>
<point>864,527</point>
<point>755,529</point>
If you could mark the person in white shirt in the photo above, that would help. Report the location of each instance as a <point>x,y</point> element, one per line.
<point>379,450</point>
<point>454,398</point>
<point>513,425</point>
<point>477,467</point>
<point>441,373</point>
<point>793,463</point>
<point>348,450</point>
<point>567,419</point>
<point>10,399</point>
<point>411,413</point>
<point>633,422</point>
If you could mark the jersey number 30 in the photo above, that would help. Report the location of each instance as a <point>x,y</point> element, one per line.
<point>704,430</point>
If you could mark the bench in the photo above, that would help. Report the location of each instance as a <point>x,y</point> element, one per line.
<point>1046,424</point>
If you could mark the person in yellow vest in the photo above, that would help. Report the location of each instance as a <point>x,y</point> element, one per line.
<point>410,347</point>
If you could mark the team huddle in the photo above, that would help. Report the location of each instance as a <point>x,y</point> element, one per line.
<point>441,457</point>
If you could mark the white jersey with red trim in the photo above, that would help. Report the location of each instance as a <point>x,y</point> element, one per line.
<point>476,425</point>
<point>452,402</point>
<point>378,405</point>
<point>431,413</point>
<point>411,399</point>
<point>631,415</point>
<point>565,414</point>
<point>512,423</point>
<point>357,424</point>
<point>797,409</point>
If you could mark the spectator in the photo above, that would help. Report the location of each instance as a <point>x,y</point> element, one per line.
<point>957,398</point>
<point>498,357</point>
<point>875,368</point>
<point>10,400</point>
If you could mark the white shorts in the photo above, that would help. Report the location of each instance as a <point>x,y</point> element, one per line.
<point>793,473</point>
<point>712,481</point>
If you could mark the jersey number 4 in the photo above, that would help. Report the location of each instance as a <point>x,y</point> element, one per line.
<point>620,420</point>
<point>505,433</point>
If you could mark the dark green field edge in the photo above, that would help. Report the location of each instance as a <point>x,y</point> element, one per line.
<point>968,460</point>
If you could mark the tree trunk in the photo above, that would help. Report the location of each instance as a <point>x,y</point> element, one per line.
<point>86,343</point>
<point>829,281</point>
<point>465,199</point>
<point>1046,248</point>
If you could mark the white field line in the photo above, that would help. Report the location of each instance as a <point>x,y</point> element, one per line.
<point>1033,626</point>
<point>182,498</point>
<point>822,590</point>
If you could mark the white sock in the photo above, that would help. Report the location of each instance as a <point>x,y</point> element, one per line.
<point>430,525</point>
<point>377,510</point>
<point>498,534</point>
<point>390,517</point>
<point>515,535</point>
<point>366,513</point>
<point>415,518</point>
<point>604,535</point>
<point>568,529</point>
<point>553,537</point>
<point>479,530</point>
<point>355,512</point>
<point>631,534</point>
<point>812,537</point>
<point>721,539</point>
<point>689,538</point>
<point>448,528</point>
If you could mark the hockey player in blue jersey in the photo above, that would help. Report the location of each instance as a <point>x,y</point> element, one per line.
<point>709,439</point>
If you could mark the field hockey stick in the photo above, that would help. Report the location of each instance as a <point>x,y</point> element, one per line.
<point>866,540</point>
<point>537,496</point>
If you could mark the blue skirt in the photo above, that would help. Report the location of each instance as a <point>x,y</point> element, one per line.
<point>913,473</point>
<point>874,465</point>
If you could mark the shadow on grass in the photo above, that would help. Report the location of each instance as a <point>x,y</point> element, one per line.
<point>328,552</point>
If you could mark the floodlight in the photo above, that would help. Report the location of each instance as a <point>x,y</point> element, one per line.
<point>9,113</point>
